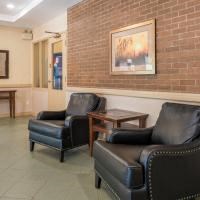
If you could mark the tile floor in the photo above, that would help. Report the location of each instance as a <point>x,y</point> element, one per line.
<point>39,175</point>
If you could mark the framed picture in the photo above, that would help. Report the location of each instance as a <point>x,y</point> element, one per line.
<point>132,49</point>
<point>4,64</point>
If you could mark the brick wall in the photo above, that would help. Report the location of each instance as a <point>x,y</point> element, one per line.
<point>177,38</point>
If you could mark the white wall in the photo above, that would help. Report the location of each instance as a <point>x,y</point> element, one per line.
<point>58,24</point>
<point>151,106</point>
<point>144,105</point>
<point>19,70</point>
<point>23,103</point>
<point>39,100</point>
<point>20,56</point>
<point>28,100</point>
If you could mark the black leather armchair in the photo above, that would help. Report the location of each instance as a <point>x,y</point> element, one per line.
<point>63,130</point>
<point>158,163</point>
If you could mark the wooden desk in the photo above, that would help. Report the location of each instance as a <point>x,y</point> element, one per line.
<point>116,117</point>
<point>10,96</point>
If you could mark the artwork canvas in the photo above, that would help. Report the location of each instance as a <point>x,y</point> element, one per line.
<point>133,49</point>
<point>4,64</point>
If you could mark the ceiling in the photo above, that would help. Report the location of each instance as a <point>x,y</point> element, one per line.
<point>32,13</point>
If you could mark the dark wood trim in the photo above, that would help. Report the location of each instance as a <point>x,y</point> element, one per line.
<point>6,64</point>
<point>107,127</point>
<point>130,115</point>
<point>10,96</point>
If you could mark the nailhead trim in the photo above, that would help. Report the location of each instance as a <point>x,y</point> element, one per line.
<point>114,193</point>
<point>189,197</point>
<point>110,188</point>
<point>178,153</point>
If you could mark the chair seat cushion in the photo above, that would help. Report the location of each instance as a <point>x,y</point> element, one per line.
<point>121,161</point>
<point>51,128</point>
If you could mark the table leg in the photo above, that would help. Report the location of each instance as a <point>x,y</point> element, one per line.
<point>116,124</point>
<point>10,103</point>
<point>92,135</point>
<point>13,103</point>
<point>142,122</point>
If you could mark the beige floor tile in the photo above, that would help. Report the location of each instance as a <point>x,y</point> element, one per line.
<point>25,189</point>
<point>8,178</point>
<point>40,175</point>
<point>7,198</point>
<point>54,190</point>
<point>83,194</point>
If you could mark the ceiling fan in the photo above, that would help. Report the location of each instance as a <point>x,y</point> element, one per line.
<point>54,34</point>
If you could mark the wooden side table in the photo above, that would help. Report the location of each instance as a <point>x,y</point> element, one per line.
<point>10,96</point>
<point>116,117</point>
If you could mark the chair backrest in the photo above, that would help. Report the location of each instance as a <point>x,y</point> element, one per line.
<point>82,103</point>
<point>177,124</point>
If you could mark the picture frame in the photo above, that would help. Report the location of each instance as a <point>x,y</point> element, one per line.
<point>133,49</point>
<point>4,64</point>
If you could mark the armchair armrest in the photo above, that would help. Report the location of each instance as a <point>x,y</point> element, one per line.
<point>134,136</point>
<point>71,119</point>
<point>51,115</point>
<point>172,171</point>
<point>79,129</point>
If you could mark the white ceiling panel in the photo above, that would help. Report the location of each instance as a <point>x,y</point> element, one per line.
<point>32,13</point>
<point>19,6</point>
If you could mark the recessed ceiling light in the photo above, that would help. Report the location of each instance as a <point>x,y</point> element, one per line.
<point>10,6</point>
<point>24,11</point>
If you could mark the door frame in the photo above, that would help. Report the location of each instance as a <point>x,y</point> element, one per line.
<point>63,38</point>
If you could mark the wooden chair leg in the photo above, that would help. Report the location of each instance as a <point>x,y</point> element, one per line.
<point>62,155</point>
<point>32,144</point>
<point>97,181</point>
<point>10,105</point>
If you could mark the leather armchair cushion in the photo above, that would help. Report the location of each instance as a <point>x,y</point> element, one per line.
<point>121,161</point>
<point>76,118</point>
<point>51,115</point>
<point>50,128</point>
<point>135,136</point>
<point>82,103</point>
<point>177,124</point>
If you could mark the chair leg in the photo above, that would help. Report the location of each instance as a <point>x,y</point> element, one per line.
<point>62,155</point>
<point>32,144</point>
<point>97,181</point>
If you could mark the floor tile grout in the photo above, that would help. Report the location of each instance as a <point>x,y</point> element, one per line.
<point>42,171</point>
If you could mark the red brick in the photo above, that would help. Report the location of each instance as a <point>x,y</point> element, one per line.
<point>177,41</point>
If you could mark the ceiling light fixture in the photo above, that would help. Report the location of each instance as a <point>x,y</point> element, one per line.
<point>10,6</point>
<point>55,34</point>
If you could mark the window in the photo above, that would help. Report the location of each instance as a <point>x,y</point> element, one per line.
<point>40,64</point>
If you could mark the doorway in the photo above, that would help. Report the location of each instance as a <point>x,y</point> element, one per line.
<point>57,73</point>
<point>49,74</point>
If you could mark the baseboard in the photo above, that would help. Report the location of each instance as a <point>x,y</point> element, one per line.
<point>22,114</point>
<point>34,114</point>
